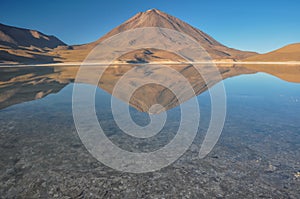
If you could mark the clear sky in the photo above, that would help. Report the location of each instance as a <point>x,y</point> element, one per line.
<point>257,25</point>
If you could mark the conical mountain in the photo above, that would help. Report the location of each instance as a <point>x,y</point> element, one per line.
<point>156,18</point>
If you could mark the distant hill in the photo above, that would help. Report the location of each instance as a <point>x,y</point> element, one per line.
<point>17,37</point>
<point>24,45</point>
<point>288,53</point>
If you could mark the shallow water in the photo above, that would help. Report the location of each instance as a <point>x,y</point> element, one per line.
<point>42,155</point>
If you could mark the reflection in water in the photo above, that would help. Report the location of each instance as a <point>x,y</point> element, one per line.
<point>19,85</point>
<point>290,73</point>
<point>148,95</point>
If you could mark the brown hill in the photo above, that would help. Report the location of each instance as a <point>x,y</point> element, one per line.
<point>156,18</point>
<point>21,37</point>
<point>288,53</point>
<point>24,45</point>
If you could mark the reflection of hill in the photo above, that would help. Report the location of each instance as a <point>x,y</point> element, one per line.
<point>290,73</point>
<point>19,85</point>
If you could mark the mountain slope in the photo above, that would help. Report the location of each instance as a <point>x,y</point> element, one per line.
<point>288,53</point>
<point>156,18</point>
<point>24,45</point>
<point>17,37</point>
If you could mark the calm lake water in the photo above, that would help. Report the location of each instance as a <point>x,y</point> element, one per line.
<point>257,155</point>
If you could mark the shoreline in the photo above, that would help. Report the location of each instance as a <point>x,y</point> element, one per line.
<point>3,65</point>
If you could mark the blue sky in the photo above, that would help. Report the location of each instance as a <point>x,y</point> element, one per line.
<point>257,25</point>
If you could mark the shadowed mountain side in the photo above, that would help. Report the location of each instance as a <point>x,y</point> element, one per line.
<point>150,55</point>
<point>25,56</point>
<point>288,53</point>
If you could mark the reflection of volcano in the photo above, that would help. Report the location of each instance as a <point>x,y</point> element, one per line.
<point>19,85</point>
<point>150,94</point>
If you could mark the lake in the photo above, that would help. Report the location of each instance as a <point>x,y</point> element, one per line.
<point>256,156</point>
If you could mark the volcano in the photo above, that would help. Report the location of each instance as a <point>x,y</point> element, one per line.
<point>156,18</point>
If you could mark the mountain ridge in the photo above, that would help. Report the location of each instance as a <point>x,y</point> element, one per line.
<point>15,36</point>
<point>21,45</point>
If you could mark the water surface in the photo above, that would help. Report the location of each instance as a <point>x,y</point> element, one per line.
<point>256,156</point>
